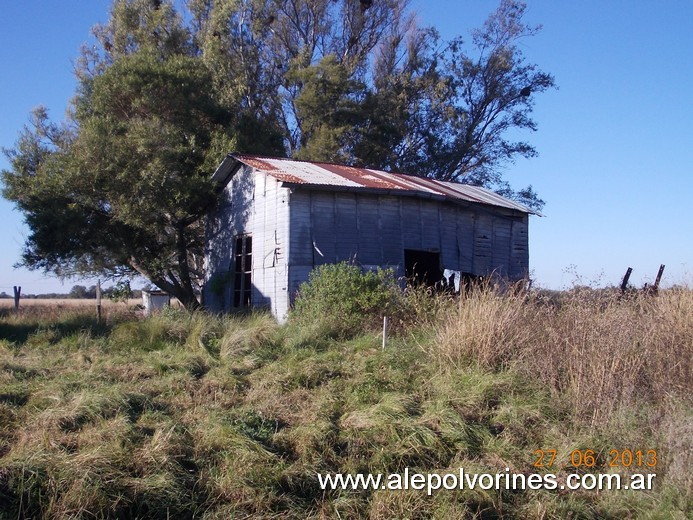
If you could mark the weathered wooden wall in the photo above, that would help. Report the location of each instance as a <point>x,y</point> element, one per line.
<point>374,230</point>
<point>295,229</point>
<point>256,204</point>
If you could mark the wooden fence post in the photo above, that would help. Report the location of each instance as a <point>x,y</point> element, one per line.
<point>626,277</point>
<point>98,301</point>
<point>659,277</point>
<point>17,293</point>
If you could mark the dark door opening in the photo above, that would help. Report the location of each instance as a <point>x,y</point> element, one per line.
<point>242,270</point>
<point>422,267</point>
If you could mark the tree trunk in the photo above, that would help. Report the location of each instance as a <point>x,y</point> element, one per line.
<point>183,292</point>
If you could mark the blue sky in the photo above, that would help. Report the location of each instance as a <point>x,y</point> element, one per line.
<point>615,140</point>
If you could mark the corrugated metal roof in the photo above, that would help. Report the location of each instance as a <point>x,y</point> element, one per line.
<point>327,174</point>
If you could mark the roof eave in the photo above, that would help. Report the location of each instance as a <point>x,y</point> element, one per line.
<point>406,193</point>
<point>227,169</point>
<point>234,161</point>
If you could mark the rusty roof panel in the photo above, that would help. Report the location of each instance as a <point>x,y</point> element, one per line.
<point>310,173</point>
<point>327,174</point>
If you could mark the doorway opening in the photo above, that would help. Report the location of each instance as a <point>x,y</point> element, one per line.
<point>422,267</point>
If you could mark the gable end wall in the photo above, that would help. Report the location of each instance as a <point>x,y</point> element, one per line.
<point>252,203</point>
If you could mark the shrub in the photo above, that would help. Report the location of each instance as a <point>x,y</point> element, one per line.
<point>341,301</point>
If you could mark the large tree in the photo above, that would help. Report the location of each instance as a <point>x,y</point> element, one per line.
<point>444,110</point>
<point>123,190</point>
<point>359,82</point>
<point>122,187</point>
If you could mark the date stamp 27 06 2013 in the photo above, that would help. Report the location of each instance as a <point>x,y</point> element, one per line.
<point>626,458</point>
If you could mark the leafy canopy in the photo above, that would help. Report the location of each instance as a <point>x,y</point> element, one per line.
<point>360,83</point>
<point>122,187</point>
<point>122,190</point>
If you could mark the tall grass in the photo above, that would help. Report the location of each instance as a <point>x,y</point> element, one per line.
<point>622,365</point>
<point>186,415</point>
<point>598,347</point>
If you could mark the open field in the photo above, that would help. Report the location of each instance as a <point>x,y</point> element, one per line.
<point>201,416</point>
<point>66,302</point>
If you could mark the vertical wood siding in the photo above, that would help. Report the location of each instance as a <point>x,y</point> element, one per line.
<point>296,229</point>
<point>375,230</point>
<point>465,239</point>
<point>346,229</point>
<point>483,244</point>
<point>519,248</point>
<point>391,232</point>
<point>410,212</point>
<point>270,239</point>
<point>256,204</point>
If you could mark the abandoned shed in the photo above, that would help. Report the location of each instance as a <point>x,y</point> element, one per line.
<point>278,218</point>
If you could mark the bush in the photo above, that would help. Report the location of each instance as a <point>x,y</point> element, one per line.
<point>341,301</point>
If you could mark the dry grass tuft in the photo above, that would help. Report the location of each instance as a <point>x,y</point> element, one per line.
<point>600,349</point>
<point>485,328</point>
<point>243,335</point>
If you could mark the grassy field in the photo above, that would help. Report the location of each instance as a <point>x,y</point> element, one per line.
<point>59,303</point>
<point>198,416</point>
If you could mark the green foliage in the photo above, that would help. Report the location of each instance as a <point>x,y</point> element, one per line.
<point>363,84</point>
<point>329,109</point>
<point>121,188</point>
<point>344,300</point>
<point>81,292</point>
<point>144,420</point>
<point>147,134</point>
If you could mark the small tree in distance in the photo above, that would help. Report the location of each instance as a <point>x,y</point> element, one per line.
<point>121,292</point>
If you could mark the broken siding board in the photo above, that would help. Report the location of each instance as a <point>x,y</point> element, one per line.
<point>323,226</point>
<point>346,229</point>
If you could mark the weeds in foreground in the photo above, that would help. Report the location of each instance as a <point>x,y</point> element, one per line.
<point>196,415</point>
<point>622,366</point>
<point>595,347</point>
